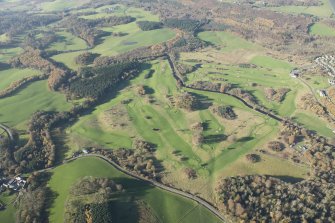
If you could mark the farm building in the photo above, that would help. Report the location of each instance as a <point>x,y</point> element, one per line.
<point>295,73</point>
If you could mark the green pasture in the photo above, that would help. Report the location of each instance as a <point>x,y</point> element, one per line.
<point>11,75</point>
<point>312,122</point>
<point>7,53</point>
<point>60,5</point>
<point>7,215</point>
<point>323,10</point>
<point>67,41</point>
<point>4,37</point>
<point>135,38</point>
<point>68,59</point>
<point>227,40</point>
<point>321,29</point>
<point>16,110</point>
<point>122,10</point>
<point>167,207</point>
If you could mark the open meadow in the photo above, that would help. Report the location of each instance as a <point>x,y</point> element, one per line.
<point>165,206</point>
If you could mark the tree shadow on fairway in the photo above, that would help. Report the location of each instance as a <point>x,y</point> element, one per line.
<point>4,66</point>
<point>203,101</point>
<point>245,139</point>
<point>149,90</point>
<point>214,138</point>
<point>205,125</point>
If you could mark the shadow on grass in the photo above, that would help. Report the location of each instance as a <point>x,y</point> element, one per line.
<point>215,138</point>
<point>245,139</point>
<point>204,101</point>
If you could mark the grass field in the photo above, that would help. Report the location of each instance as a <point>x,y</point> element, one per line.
<point>8,53</point>
<point>312,122</point>
<point>10,75</point>
<point>4,38</point>
<point>167,207</point>
<point>135,39</point>
<point>67,41</point>
<point>7,215</point>
<point>111,45</point>
<point>321,30</point>
<point>323,10</point>
<point>68,59</point>
<point>228,40</point>
<point>16,110</point>
<point>60,5</point>
<point>122,10</point>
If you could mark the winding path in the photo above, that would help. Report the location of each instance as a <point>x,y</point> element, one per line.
<point>8,131</point>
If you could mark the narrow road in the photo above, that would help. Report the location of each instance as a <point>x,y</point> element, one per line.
<point>310,88</point>
<point>8,131</point>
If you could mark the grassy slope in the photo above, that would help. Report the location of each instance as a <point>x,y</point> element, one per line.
<point>111,45</point>
<point>9,76</point>
<point>269,73</point>
<point>67,41</point>
<point>59,5</point>
<point>7,215</point>
<point>228,40</point>
<point>68,59</point>
<point>7,53</point>
<point>16,110</point>
<point>312,122</point>
<point>135,39</point>
<point>324,10</point>
<point>321,30</point>
<point>3,38</point>
<point>167,207</point>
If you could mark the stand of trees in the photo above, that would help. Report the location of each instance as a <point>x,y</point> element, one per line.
<point>101,78</point>
<point>266,199</point>
<point>277,95</point>
<point>39,152</point>
<point>90,200</point>
<point>188,25</point>
<point>32,204</point>
<point>35,59</point>
<point>47,38</point>
<point>18,84</point>
<point>187,101</point>
<point>226,112</point>
<point>86,29</point>
<point>149,25</point>
<point>17,23</point>
<point>86,58</point>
